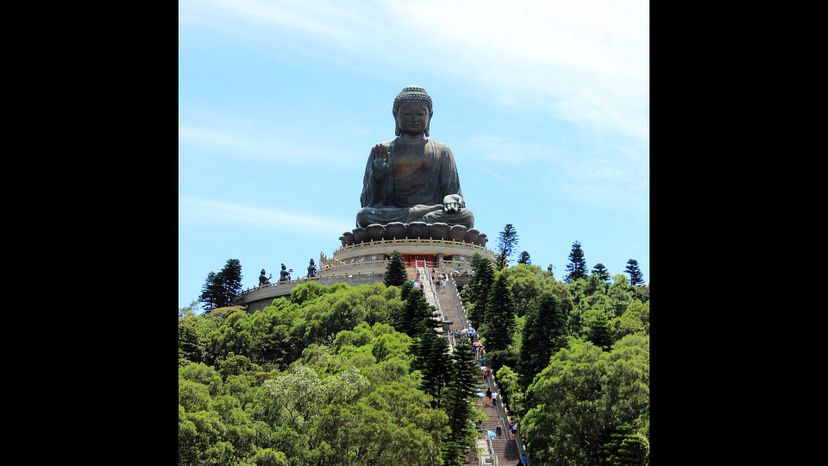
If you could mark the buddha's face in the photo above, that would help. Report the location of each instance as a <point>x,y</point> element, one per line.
<point>412,118</point>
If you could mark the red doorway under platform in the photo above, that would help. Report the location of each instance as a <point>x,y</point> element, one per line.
<point>413,260</point>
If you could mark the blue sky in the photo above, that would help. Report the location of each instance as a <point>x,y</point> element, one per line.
<point>545,106</point>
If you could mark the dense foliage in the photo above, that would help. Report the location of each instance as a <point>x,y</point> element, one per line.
<point>543,335</point>
<point>575,372</point>
<point>583,395</point>
<point>323,378</point>
<point>337,375</point>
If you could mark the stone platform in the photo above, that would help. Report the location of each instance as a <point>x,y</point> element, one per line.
<point>413,230</point>
<point>366,261</point>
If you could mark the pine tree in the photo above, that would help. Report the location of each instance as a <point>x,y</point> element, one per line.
<point>221,289</point>
<point>499,322</point>
<point>598,332</point>
<point>416,313</point>
<point>460,392</point>
<point>433,361</point>
<point>476,292</point>
<point>210,292</point>
<point>452,454</point>
<point>636,277</point>
<point>543,335</point>
<point>577,267</point>
<point>506,243</point>
<point>524,258</point>
<point>623,448</point>
<point>395,274</point>
<point>231,283</point>
<point>601,271</point>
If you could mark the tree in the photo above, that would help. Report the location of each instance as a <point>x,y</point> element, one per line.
<point>499,322</point>
<point>524,258</point>
<point>526,282</point>
<point>511,391</point>
<point>620,294</point>
<point>625,448</point>
<point>190,346</point>
<point>569,409</point>
<point>601,272</point>
<point>582,396</point>
<point>347,396</point>
<point>460,392</point>
<point>476,292</point>
<point>210,293</point>
<point>433,361</point>
<point>635,319</point>
<point>577,267</point>
<point>543,335</point>
<point>452,454</point>
<point>507,241</point>
<point>221,289</point>
<point>415,315</point>
<point>370,432</point>
<point>597,328</point>
<point>231,280</point>
<point>458,396</point>
<point>303,394</point>
<point>636,277</point>
<point>395,274</point>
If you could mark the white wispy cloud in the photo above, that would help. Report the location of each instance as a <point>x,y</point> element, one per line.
<point>584,61</point>
<point>212,211</point>
<point>247,138</point>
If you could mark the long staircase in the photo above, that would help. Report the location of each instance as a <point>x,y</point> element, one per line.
<point>499,451</point>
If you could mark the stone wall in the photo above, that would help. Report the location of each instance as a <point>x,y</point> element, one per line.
<point>259,298</point>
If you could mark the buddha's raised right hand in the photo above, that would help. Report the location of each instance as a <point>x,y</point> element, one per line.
<point>380,160</point>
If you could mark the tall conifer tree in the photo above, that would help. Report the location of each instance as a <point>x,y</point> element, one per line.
<point>210,292</point>
<point>476,292</point>
<point>577,267</point>
<point>500,316</point>
<point>507,241</point>
<point>395,271</point>
<point>221,289</point>
<point>543,335</point>
<point>460,392</point>
<point>416,313</point>
<point>636,277</point>
<point>433,361</point>
<point>524,258</point>
<point>231,283</point>
<point>601,271</point>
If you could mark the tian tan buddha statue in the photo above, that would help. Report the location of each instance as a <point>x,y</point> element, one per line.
<point>412,178</point>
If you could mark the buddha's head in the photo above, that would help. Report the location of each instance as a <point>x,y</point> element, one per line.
<point>412,111</point>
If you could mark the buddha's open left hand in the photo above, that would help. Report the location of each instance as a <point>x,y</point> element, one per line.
<point>380,160</point>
